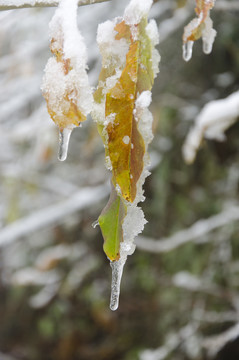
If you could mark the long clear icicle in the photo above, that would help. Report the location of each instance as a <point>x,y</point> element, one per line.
<point>64,138</point>
<point>117,271</point>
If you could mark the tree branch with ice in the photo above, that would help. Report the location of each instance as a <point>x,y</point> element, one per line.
<point>201,26</point>
<point>21,4</point>
<point>212,122</point>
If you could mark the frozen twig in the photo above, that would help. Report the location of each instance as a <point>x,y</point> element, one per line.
<point>214,317</point>
<point>193,233</point>
<point>172,343</point>
<point>19,4</point>
<point>212,122</point>
<point>52,214</point>
<point>215,343</point>
<point>187,281</point>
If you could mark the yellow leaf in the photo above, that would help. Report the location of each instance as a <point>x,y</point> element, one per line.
<point>126,146</point>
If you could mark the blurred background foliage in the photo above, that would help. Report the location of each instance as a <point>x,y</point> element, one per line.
<point>55,280</point>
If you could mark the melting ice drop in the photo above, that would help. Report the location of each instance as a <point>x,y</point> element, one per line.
<point>95,223</point>
<point>117,271</point>
<point>207,46</point>
<point>187,50</point>
<point>64,137</point>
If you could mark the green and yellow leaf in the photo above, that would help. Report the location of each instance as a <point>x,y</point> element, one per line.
<point>110,221</point>
<point>122,80</point>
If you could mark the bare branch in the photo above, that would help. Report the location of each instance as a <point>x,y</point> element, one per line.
<point>172,343</point>
<point>20,4</point>
<point>196,231</point>
<point>52,214</point>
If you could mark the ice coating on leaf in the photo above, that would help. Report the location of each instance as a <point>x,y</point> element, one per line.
<point>152,32</point>
<point>201,26</point>
<point>65,83</point>
<point>143,100</point>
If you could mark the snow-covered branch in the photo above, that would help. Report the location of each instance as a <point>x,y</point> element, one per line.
<point>193,233</point>
<point>53,213</point>
<point>215,343</point>
<point>19,4</point>
<point>173,341</point>
<point>212,122</point>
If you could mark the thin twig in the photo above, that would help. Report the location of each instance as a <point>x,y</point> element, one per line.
<point>196,231</point>
<point>215,343</point>
<point>20,4</point>
<point>53,214</point>
<point>171,344</point>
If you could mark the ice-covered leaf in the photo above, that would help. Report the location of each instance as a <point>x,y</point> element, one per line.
<point>129,66</point>
<point>124,143</point>
<point>201,26</point>
<point>110,221</point>
<point>65,84</point>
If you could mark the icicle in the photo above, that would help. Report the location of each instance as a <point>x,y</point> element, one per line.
<point>117,271</point>
<point>187,50</point>
<point>95,223</point>
<point>208,35</point>
<point>64,137</point>
<point>207,47</point>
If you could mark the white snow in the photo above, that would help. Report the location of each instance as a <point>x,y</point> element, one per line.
<point>212,122</point>
<point>136,10</point>
<point>144,100</point>
<point>126,139</point>
<point>113,51</point>
<point>152,32</point>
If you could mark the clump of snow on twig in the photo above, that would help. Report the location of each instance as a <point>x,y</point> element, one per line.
<point>212,122</point>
